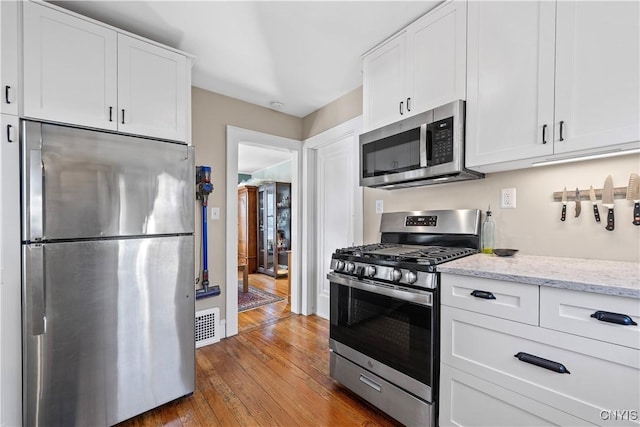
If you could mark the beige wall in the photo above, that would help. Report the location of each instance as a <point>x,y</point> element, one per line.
<point>534,227</point>
<point>211,113</point>
<point>339,111</point>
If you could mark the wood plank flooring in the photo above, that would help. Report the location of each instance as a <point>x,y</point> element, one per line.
<point>267,313</point>
<point>273,373</point>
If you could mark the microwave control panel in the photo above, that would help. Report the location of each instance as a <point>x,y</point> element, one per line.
<point>441,147</point>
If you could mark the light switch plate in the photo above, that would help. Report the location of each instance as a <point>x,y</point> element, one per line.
<point>215,214</point>
<point>379,206</point>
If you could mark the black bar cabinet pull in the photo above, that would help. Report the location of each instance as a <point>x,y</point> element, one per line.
<point>544,134</point>
<point>401,110</point>
<point>483,294</point>
<point>561,128</point>
<point>543,363</point>
<point>123,116</point>
<point>408,104</point>
<point>6,94</point>
<point>9,133</point>
<point>620,319</point>
<point>110,114</point>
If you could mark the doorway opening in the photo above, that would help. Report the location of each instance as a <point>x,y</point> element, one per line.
<point>265,256</point>
<point>264,235</point>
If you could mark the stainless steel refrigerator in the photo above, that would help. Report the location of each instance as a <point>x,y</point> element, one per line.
<point>108,275</point>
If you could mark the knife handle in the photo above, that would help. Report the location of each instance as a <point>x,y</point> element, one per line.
<point>610,220</point>
<point>596,213</point>
<point>636,213</point>
<point>563,216</point>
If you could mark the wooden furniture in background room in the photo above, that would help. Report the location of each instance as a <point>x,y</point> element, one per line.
<point>247,228</point>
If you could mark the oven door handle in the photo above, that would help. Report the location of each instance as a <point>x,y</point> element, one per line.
<point>411,295</point>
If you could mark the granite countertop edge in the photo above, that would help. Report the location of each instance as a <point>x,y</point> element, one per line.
<point>619,278</point>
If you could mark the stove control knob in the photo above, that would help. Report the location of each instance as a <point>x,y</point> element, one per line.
<point>411,277</point>
<point>396,275</point>
<point>339,265</point>
<point>349,267</point>
<point>370,271</point>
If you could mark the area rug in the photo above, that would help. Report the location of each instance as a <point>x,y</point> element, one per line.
<point>254,298</point>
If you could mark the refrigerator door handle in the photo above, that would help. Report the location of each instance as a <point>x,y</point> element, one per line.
<point>36,195</point>
<point>35,288</point>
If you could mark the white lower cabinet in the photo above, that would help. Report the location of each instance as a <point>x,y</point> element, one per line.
<point>535,375</point>
<point>471,401</point>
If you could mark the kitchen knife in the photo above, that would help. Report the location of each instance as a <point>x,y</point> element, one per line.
<point>563,216</point>
<point>633,193</point>
<point>594,202</point>
<point>607,202</point>
<point>578,206</point>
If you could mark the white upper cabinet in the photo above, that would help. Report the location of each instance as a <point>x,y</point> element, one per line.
<point>420,68</point>
<point>70,73</point>
<point>551,80</point>
<point>510,81</point>
<point>597,74</point>
<point>384,83</point>
<point>81,72</point>
<point>9,57</point>
<point>436,46</point>
<point>151,95</point>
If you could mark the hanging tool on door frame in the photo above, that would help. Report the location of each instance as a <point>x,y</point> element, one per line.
<point>203,189</point>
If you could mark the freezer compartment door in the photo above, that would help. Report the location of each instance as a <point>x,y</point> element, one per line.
<point>78,183</point>
<point>108,329</point>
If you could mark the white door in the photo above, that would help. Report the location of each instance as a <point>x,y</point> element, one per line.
<point>436,53</point>
<point>69,68</point>
<point>383,84</point>
<point>597,74</point>
<point>152,89</point>
<point>509,81</point>
<point>337,205</point>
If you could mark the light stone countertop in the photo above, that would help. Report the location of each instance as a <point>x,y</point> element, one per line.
<point>605,277</point>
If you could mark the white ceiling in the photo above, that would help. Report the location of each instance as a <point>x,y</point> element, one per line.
<point>252,158</point>
<point>304,54</point>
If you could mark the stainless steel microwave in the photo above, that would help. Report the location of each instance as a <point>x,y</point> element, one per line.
<point>424,149</point>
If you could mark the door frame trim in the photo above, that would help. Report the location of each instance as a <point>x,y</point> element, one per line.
<point>310,226</point>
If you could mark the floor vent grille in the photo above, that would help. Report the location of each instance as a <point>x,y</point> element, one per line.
<point>207,327</point>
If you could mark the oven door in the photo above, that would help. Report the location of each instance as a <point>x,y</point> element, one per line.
<point>387,329</point>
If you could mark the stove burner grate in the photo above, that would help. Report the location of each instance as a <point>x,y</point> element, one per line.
<point>425,255</point>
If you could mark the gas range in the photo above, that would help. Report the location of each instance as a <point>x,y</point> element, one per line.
<point>412,245</point>
<point>384,310</point>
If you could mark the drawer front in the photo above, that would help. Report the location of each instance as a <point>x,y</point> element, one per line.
<point>570,311</point>
<point>601,376</point>
<point>466,400</point>
<point>396,402</point>
<point>513,301</point>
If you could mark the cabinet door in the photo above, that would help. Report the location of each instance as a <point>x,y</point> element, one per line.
<point>152,88</point>
<point>10,274</point>
<point>69,69</point>
<point>510,82</point>
<point>436,56</point>
<point>383,84</point>
<point>466,400</point>
<point>597,69</point>
<point>9,57</point>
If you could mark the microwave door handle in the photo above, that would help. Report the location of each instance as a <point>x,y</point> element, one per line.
<point>423,145</point>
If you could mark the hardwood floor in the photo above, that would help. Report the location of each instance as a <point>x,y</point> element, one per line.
<point>275,374</point>
<point>267,313</point>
